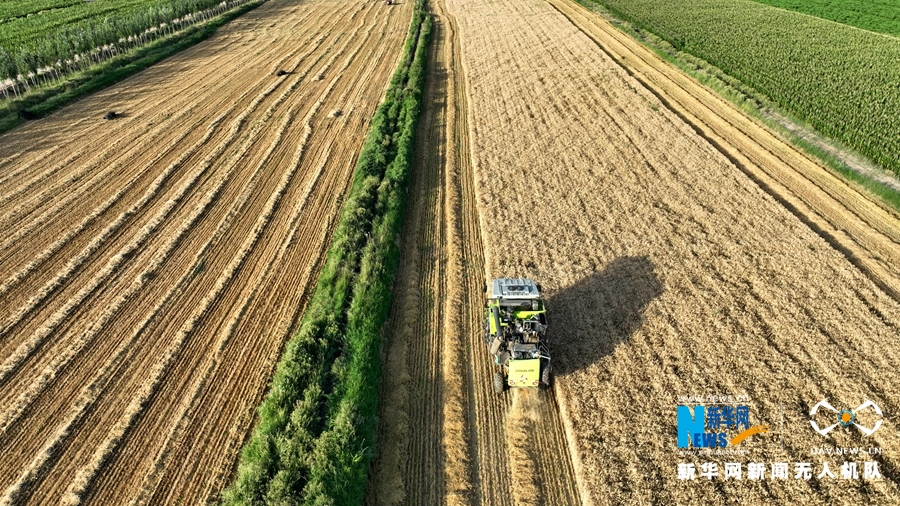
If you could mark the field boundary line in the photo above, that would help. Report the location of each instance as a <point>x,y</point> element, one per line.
<point>456,442</point>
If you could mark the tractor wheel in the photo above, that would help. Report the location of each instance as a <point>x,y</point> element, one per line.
<point>499,384</point>
<point>545,376</point>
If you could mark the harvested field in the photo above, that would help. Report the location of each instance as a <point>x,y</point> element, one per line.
<point>684,250</point>
<point>152,267</point>
<point>673,267</point>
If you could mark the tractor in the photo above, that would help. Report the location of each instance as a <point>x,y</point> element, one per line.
<point>515,332</point>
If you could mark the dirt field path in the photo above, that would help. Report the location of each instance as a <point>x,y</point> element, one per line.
<point>673,266</point>
<point>151,267</point>
<point>445,437</point>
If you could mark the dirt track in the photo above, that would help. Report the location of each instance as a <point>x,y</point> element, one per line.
<point>151,267</point>
<point>444,436</point>
<point>685,250</point>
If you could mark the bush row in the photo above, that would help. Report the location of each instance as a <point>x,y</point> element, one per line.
<point>315,435</point>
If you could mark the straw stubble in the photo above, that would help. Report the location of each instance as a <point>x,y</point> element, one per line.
<point>669,270</point>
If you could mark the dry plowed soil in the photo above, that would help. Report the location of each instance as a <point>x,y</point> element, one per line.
<point>683,249</point>
<point>152,266</point>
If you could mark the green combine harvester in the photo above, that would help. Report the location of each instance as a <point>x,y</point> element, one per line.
<point>515,332</point>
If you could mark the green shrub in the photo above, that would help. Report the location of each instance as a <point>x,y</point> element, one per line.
<point>316,432</point>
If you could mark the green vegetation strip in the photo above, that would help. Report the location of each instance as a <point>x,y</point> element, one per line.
<point>12,9</point>
<point>876,15</point>
<point>58,29</point>
<point>43,101</point>
<point>843,81</point>
<point>315,436</point>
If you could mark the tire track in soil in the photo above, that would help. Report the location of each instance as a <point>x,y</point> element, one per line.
<point>486,411</point>
<point>463,244</point>
<point>169,364</point>
<point>434,336</point>
<point>409,468</point>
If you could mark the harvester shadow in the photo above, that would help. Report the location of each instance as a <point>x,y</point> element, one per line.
<point>590,318</point>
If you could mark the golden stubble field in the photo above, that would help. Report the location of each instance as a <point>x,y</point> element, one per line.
<point>152,267</point>
<point>669,272</point>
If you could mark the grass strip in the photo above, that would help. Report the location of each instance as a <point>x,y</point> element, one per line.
<point>43,101</point>
<point>315,435</point>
